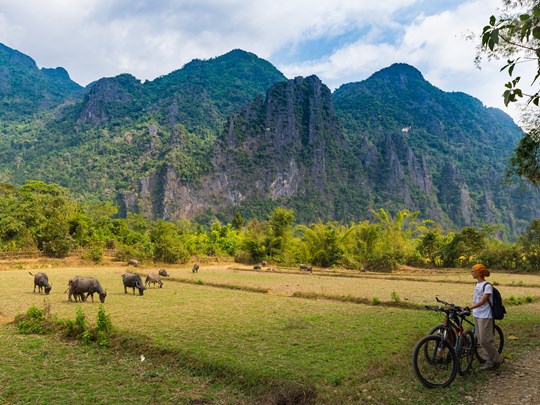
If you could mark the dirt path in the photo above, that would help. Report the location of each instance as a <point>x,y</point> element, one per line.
<point>515,382</point>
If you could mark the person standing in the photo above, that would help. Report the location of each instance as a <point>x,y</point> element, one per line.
<point>483,318</point>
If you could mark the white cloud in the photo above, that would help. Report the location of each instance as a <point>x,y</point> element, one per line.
<point>97,38</point>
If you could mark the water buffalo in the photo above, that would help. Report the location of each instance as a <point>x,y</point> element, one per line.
<point>195,268</point>
<point>41,280</point>
<point>257,267</point>
<point>306,268</point>
<point>134,263</point>
<point>163,273</point>
<point>154,279</point>
<point>133,280</point>
<point>78,286</point>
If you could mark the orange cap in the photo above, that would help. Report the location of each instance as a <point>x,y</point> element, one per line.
<point>481,270</point>
<point>479,266</point>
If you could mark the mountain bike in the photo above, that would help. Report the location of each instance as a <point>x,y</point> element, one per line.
<point>498,336</point>
<point>447,351</point>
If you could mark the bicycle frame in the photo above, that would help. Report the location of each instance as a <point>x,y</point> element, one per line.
<point>462,340</point>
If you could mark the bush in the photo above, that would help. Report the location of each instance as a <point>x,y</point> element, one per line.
<point>31,322</point>
<point>95,254</point>
<point>384,263</point>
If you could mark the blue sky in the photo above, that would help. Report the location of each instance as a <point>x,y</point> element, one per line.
<point>341,41</point>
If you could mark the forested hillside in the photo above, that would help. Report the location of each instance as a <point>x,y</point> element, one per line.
<point>231,135</point>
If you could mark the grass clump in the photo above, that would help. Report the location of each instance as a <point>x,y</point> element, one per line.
<point>395,296</point>
<point>38,321</point>
<point>100,333</point>
<point>31,322</point>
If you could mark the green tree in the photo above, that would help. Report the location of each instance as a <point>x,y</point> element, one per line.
<point>47,210</point>
<point>253,241</point>
<point>464,247</point>
<point>530,244</point>
<point>280,228</point>
<point>514,36</point>
<point>168,247</point>
<point>431,246</point>
<point>325,242</point>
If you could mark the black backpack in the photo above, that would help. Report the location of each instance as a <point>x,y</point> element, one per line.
<point>497,308</point>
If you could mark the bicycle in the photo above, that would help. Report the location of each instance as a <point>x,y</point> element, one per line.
<point>438,357</point>
<point>498,336</point>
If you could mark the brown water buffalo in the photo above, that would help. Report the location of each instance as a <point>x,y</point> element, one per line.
<point>78,286</point>
<point>41,281</point>
<point>133,280</point>
<point>154,279</point>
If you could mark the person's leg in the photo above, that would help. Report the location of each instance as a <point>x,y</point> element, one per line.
<point>484,332</point>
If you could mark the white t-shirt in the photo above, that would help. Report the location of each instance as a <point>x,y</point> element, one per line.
<point>485,310</point>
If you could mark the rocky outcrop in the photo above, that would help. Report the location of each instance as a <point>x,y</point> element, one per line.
<point>107,96</point>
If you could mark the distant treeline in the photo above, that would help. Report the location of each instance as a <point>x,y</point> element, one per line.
<point>47,217</point>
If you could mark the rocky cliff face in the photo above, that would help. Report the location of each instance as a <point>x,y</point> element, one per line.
<point>284,149</point>
<point>290,148</point>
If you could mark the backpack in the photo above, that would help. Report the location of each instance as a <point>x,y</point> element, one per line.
<point>497,308</point>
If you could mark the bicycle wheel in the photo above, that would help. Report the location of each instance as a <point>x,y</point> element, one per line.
<point>498,339</point>
<point>465,352</point>
<point>435,362</point>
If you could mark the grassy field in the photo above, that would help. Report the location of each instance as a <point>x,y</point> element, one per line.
<point>230,336</point>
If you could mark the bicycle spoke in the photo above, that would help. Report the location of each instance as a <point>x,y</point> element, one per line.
<point>435,362</point>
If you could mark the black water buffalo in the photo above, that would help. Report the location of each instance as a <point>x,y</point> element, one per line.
<point>257,267</point>
<point>154,279</point>
<point>78,286</point>
<point>134,263</point>
<point>41,280</point>
<point>306,268</point>
<point>133,280</point>
<point>163,273</point>
<point>195,268</point>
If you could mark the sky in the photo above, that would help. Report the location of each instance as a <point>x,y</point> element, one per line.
<point>340,41</point>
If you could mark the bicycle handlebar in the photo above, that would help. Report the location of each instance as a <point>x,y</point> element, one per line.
<point>453,308</point>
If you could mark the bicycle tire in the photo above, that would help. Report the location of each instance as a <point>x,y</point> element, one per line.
<point>435,362</point>
<point>498,339</point>
<point>466,352</point>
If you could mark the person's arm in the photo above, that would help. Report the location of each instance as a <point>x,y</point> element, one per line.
<point>482,301</point>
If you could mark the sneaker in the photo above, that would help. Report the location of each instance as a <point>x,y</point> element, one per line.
<point>498,363</point>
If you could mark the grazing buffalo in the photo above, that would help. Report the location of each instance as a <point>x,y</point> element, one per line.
<point>134,263</point>
<point>257,267</point>
<point>133,280</point>
<point>78,286</point>
<point>306,268</point>
<point>163,273</point>
<point>195,268</point>
<point>154,279</point>
<point>41,280</point>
